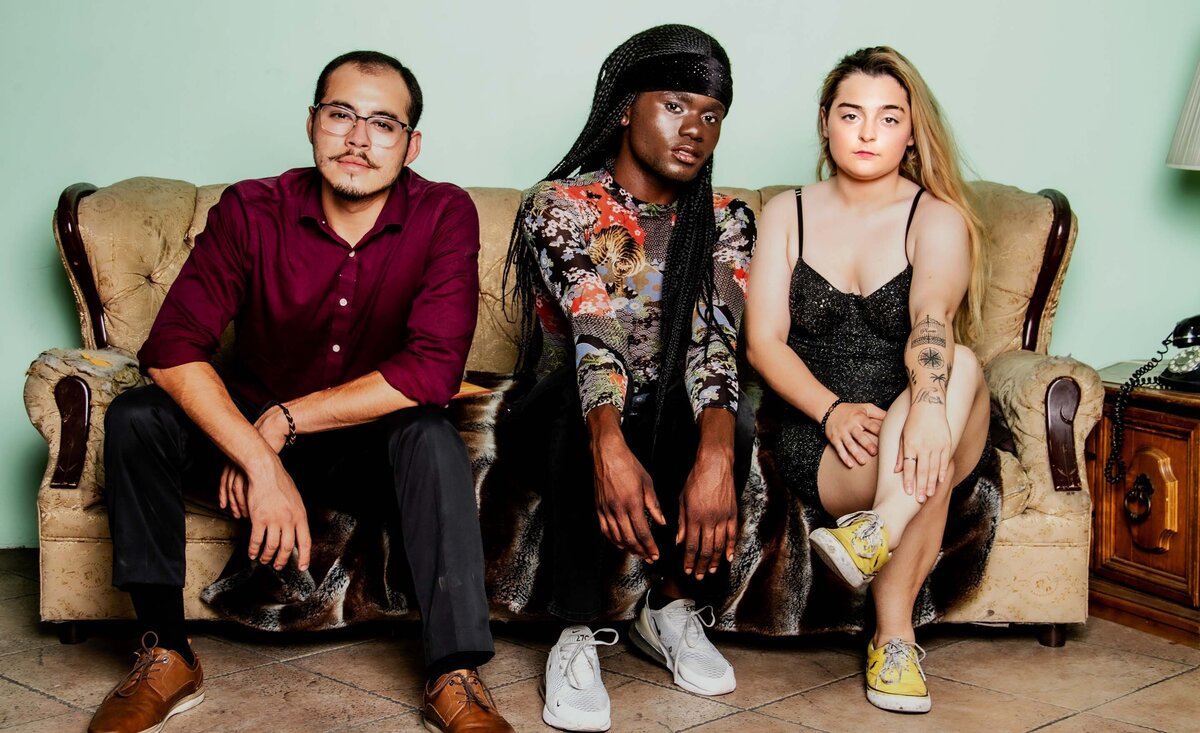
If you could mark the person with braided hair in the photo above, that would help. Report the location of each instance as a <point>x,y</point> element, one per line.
<point>635,273</point>
<point>866,286</point>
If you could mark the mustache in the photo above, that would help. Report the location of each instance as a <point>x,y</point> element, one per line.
<point>344,156</point>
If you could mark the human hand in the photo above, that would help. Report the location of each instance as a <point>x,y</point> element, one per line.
<point>853,431</point>
<point>708,515</point>
<point>925,450</point>
<point>278,519</point>
<point>624,494</point>
<point>232,491</point>
<point>273,427</point>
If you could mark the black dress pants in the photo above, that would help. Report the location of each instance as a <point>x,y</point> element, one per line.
<point>153,453</point>
<point>548,426</point>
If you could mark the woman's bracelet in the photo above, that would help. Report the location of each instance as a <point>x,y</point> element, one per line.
<point>825,420</point>
<point>291,436</point>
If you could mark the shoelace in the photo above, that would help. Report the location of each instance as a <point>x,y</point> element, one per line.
<point>865,538</point>
<point>469,695</point>
<point>142,667</point>
<point>895,654</point>
<point>583,641</point>
<point>693,628</point>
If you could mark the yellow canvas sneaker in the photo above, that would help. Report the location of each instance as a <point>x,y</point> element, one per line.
<point>895,680</point>
<point>856,549</point>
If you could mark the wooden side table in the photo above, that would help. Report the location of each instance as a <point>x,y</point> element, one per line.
<point>1145,567</point>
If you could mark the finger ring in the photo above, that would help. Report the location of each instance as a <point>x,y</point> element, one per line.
<point>911,459</point>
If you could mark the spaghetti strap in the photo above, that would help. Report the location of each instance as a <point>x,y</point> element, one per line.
<point>799,227</point>
<point>908,225</point>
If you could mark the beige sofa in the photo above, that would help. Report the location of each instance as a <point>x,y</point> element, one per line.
<point>124,244</point>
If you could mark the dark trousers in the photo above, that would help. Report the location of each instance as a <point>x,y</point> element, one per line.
<point>153,453</point>
<point>549,420</point>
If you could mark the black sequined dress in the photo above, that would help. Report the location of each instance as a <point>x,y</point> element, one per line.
<point>853,344</point>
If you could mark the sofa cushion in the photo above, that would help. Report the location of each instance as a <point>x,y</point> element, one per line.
<point>137,235</point>
<point>1015,224</point>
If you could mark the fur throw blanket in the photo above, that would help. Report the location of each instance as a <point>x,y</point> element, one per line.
<point>358,571</point>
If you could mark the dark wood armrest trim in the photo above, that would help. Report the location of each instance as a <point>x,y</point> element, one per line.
<point>1052,260</point>
<point>1062,402</point>
<point>74,400</point>
<point>66,221</point>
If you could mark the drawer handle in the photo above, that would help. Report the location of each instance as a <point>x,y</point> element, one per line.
<point>1138,500</point>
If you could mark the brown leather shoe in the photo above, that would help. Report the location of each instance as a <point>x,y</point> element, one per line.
<point>458,702</point>
<point>159,686</point>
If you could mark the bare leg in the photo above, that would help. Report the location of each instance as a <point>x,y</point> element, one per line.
<point>963,402</point>
<point>895,589</point>
<point>877,486</point>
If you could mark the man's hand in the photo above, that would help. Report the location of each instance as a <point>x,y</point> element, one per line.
<point>708,514</point>
<point>273,427</point>
<point>624,494</point>
<point>278,520</point>
<point>624,491</point>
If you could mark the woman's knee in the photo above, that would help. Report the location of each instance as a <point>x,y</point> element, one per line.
<point>966,367</point>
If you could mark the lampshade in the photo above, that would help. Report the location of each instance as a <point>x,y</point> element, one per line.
<point>1185,149</point>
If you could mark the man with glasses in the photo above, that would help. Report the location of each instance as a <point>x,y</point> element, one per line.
<point>353,289</point>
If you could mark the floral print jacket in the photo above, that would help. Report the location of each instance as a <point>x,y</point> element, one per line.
<point>601,254</point>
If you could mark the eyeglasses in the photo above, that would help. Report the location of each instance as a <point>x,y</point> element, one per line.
<point>337,120</point>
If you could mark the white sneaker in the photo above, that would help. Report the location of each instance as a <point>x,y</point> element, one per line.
<point>675,637</point>
<point>574,693</point>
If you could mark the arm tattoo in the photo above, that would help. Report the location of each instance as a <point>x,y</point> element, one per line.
<point>929,331</point>
<point>930,359</point>
<point>912,377</point>
<point>939,379</point>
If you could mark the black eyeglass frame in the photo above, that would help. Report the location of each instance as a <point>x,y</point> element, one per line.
<point>315,109</point>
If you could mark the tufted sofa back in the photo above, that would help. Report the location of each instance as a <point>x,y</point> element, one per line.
<point>124,245</point>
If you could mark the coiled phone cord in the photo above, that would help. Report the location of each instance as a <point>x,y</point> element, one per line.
<point>1114,468</point>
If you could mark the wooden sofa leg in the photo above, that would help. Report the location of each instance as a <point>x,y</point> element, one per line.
<point>1054,635</point>
<point>72,632</point>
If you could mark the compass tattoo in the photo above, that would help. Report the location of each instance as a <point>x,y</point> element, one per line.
<point>930,359</point>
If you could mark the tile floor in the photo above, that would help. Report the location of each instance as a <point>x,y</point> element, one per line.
<point>1107,678</point>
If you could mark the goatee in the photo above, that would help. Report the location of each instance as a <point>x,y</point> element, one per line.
<point>350,194</point>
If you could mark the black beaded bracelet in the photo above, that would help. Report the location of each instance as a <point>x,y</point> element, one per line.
<point>828,412</point>
<point>291,436</point>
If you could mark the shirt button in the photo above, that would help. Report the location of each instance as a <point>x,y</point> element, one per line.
<point>352,253</point>
<point>336,348</point>
<point>343,301</point>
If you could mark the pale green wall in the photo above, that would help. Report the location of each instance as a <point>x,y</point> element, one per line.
<point>1080,96</point>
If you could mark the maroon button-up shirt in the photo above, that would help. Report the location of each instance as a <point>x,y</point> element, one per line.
<point>311,312</point>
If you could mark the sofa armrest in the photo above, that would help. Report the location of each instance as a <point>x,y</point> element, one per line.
<point>67,392</point>
<point>1051,403</point>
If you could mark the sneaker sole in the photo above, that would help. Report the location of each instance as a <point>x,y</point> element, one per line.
<point>642,640</point>
<point>182,706</point>
<point>837,558</point>
<point>899,703</point>
<point>552,720</point>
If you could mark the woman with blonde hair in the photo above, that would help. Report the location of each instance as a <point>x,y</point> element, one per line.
<point>863,288</point>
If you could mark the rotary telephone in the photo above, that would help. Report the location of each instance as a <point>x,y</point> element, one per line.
<point>1182,373</point>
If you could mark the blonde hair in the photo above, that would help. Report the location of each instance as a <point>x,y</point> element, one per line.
<point>932,161</point>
